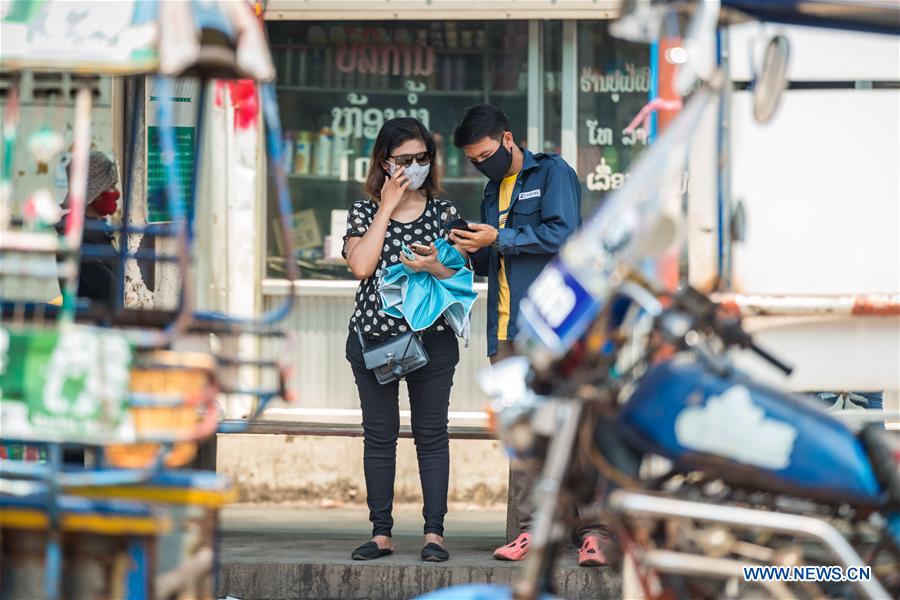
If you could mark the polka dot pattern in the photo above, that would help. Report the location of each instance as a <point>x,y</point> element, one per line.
<point>424,230</point>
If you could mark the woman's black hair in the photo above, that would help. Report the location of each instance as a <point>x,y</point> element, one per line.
<point>394,133</point>
<point>479,122</point>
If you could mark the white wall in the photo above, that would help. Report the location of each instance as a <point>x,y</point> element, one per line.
<point>821,191</point>
<point>820,185</point>
<point>818,54</point>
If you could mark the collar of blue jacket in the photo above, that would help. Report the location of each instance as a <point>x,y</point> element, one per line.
<point>545,209</point>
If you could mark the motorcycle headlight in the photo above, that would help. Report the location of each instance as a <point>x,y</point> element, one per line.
<point>512,402</point>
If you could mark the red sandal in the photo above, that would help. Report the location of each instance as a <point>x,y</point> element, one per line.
<point>590,554</point>
<point>515,550</point>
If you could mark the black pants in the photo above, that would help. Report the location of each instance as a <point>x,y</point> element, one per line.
<point>429,400</point>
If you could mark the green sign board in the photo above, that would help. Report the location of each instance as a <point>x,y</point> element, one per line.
<point>183,98</point>
<point>157,205</point>
<point>65,384</point>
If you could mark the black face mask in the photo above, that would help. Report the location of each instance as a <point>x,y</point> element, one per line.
<point>495,166</point>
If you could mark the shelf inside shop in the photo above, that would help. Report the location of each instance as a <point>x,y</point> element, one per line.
<point>396,91</point>
<point>333,179</point>
<point>326,178</point>
<point>465,180</point>
<point>464,51</point>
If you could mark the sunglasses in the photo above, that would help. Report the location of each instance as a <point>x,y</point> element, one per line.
<point>404,160</point>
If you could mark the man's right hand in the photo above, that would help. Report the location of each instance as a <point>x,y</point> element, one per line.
<point>392,190</point>
<point>481,236</point>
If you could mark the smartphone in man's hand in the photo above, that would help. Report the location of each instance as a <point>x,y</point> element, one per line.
<point>458,224</point>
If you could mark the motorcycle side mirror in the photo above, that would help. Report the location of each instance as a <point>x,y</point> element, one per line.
<point>658,237</point>
<point>771,81</point>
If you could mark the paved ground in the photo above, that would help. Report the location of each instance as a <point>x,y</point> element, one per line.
<point>293,552</point>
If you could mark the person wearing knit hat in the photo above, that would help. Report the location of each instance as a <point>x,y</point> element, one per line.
<point>97,275</point>
<point>101,194</point>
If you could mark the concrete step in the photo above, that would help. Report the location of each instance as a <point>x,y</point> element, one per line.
<point>294,553</point>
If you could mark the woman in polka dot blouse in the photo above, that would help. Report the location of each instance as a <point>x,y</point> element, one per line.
<point>401,209</point>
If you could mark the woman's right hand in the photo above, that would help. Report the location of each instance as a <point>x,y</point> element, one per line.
<point>392,190</point>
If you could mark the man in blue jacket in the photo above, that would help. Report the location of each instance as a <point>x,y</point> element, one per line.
<point>532,203</point>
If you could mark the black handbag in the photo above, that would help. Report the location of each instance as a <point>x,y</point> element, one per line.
<point>395,357</point>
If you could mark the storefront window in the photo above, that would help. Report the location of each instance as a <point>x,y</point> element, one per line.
<point>613,86</point>
<point>339,82</point>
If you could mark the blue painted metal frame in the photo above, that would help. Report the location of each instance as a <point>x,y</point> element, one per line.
<point>722,152</point>
<point>53,475</point>
<point>654,88</point>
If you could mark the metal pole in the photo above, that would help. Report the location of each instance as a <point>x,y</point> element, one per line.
<point>569,133</point>
<point>53,567</point>
<point>724,197</point>
<point>536,86</point>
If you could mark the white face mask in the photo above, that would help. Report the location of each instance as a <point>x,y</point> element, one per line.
<point>416,173</point>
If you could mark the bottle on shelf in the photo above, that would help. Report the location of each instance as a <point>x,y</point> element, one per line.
<point>437,36</point>
<point>315,35</point>
<point>467,37</point>
<point>323,154</point>
<point>480,39</point>
<point>439,164</point>
<point>340,154</point>
<point>303,153</point>
<point>451,35</point>
<point>422,37</point>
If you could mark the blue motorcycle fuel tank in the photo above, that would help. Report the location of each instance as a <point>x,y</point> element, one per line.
<point>747,434</point>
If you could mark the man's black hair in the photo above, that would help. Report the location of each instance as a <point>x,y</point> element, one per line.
<point>479,122</point>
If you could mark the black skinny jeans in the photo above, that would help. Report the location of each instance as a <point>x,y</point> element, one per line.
<point>429,400</point>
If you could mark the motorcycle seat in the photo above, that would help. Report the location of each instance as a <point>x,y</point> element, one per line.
<point>883,451</point>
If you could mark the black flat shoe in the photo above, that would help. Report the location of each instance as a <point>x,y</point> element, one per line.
<point>434,553</point>
<point>370,551</point>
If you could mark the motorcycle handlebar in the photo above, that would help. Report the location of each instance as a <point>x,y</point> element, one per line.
<point>772,360</point>
<point>729,329</point>
<point>733,332</point>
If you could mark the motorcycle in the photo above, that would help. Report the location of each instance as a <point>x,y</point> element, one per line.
<point>754,477</point>
<point>715,485</point>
